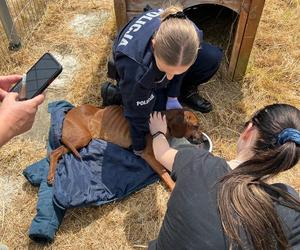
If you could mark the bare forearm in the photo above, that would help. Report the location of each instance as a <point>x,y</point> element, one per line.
<point>163,152</point>
<point>5,133</point>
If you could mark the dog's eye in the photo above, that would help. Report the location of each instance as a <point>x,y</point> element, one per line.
<point>195,127</point>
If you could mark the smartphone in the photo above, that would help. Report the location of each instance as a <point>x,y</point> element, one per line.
<point>38,78</point>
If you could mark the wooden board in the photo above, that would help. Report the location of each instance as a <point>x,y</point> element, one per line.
<point>138,5</point>
<point>135,7</point>
<point>238,38</point>
<point>120,13</point>
<point>254,15</point>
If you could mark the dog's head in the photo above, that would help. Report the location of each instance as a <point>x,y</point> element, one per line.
<point>184,123</point>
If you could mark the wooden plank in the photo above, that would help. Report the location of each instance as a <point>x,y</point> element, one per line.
<point>254,15</point>
<point>120,13</point>
<point>238,38</point>
<point>131,14</point>
<point>138,5</point>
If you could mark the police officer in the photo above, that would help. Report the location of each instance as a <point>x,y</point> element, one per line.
<point>160,56</point>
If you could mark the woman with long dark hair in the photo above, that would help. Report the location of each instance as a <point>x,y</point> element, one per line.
<point>231,205</point>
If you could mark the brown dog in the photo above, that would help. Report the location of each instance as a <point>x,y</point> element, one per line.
<point>86,122</point>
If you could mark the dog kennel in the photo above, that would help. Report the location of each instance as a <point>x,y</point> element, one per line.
<point>243,27</point>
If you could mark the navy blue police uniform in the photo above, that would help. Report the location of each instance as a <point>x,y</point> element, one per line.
<point>143,86</point>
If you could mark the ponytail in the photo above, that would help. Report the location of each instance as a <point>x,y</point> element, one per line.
<point>171,10</point>
<point>245,200</point>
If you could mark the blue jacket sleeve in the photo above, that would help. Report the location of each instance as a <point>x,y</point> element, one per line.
<point>173,89</point>
<point>138,101</point>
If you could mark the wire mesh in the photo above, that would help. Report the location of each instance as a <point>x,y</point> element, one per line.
<point>26,15</point>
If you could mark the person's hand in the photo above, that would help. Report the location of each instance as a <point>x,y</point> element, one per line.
<point>157,123</point>
<point>173,103</point>
<point>17,117</point>
<point>6,82</point>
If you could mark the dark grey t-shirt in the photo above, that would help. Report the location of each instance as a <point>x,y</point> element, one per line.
<point>192,220</point>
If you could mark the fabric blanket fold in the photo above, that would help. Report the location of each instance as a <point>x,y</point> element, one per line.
<point>105,173</point>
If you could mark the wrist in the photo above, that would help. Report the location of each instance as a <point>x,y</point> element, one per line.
<point>6,133</point>
<point>158,133</point>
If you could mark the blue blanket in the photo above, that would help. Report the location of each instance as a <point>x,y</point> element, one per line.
<point>105,173</point>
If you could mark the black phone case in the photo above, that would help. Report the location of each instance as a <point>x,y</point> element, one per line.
<point>47,83</point>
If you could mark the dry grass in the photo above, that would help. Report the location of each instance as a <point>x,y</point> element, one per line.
<point>273,76</point>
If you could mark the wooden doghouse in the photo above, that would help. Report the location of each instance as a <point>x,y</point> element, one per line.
<point>248,11</point>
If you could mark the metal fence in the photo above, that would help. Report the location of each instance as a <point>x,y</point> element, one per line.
<point>18,18</point>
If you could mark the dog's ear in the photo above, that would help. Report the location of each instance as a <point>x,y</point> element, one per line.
<point>176,122</point>
<point>191,119</point>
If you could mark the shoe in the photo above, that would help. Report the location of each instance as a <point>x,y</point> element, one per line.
<point>110,94</point>
<point>197,102</point>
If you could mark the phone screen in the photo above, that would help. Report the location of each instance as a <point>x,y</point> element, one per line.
<point>38,78</point>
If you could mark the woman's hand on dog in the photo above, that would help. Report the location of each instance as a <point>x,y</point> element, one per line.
<point>157,122</point>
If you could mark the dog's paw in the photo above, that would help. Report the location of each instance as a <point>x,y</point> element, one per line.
<point>50,180</point>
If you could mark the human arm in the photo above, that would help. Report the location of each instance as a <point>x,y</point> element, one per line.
<point>16,117</point>
<point>173,91</point>
<point>161,148</point>
<point>174,86</point>
<point>138,101</point>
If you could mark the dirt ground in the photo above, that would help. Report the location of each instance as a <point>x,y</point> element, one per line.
<point>80,34</point>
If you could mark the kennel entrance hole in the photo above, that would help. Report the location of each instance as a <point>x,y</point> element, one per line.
<point>218,24</point>
<point>248,16</point>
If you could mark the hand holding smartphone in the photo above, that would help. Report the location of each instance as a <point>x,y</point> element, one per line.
<point>38,78</point>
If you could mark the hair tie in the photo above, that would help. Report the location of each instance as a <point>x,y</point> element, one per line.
<point>179,14</point>
<point>289,134</point>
